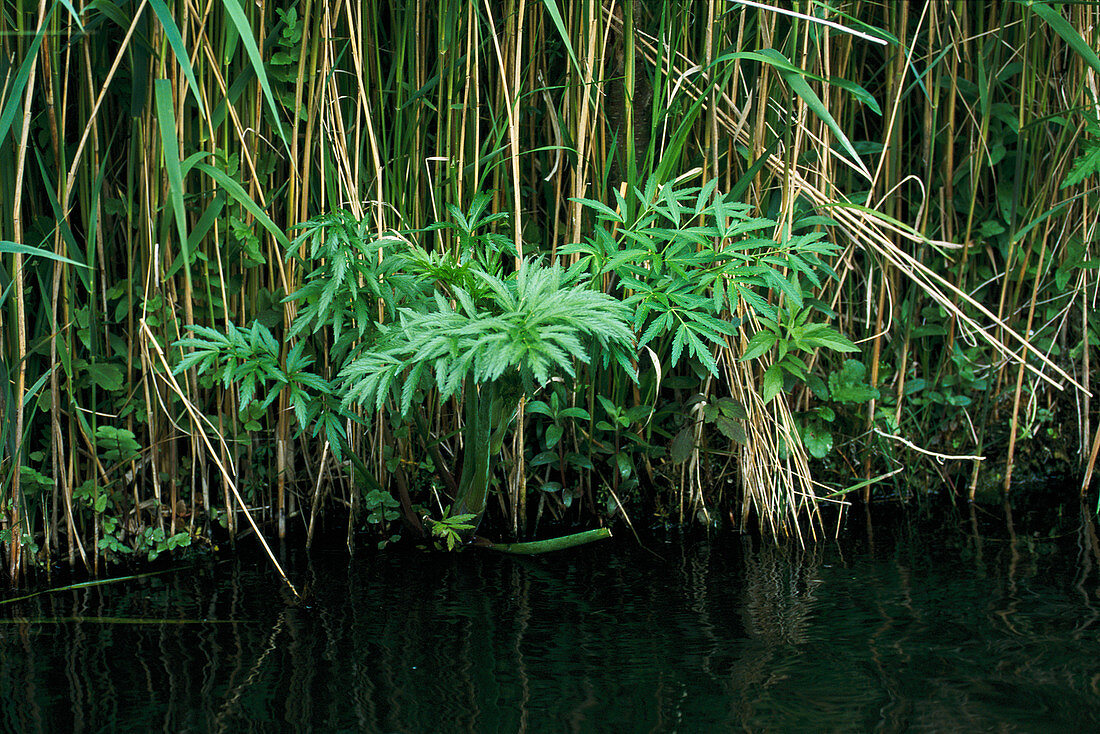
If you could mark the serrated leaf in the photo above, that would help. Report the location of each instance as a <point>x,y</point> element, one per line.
<point>773,383</point>
<point>828,337</point>
<point>105,375</point>
<point>760,343</point>
<point>1086,165</point>
<point>848,385</point>
<point>732,408</point>
<point>855,394</point>
<point>682,445</point>
<point>731,429</point>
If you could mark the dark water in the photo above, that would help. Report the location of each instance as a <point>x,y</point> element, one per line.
<point>899,629</point>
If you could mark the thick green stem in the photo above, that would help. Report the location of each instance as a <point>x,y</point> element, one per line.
<point>536,547</point>
<point>488,413</point>
<point>473,486</point>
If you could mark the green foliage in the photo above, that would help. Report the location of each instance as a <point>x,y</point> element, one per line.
<point>33,482</point>
<point>849,385</point>
<point>560,416</point>
<point>116,445</point>
<point>727,415</point>
<point>282,67</point>
<point>451,529</point>
<point>691,256</point>
<point>92,496</point>
<point>476,240</point>
<point>841,396</point>
<point>250,359</point>
<point>153,542</point>
<point>350,271</point>
<point>381,510</point>
<point>790,333</point>
<point>530,326</point>
<point>461,325</point>
<point>1087,163</point>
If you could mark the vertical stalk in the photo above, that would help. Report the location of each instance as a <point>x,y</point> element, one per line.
<point>15,554</point>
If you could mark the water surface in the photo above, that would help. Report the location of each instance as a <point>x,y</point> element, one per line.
<point>895,629</point>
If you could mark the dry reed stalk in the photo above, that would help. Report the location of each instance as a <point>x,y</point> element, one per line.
<point>15,519</point>
<point>355,142</point>
<point>873,233</point>
<point>198,420</point>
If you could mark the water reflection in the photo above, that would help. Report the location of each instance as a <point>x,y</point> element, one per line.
<point>906,630</point>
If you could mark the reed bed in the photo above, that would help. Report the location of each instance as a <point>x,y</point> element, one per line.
<point>157,155</point>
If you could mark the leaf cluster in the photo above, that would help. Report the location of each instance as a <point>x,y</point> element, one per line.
<point>449,528</point>
<point>351,271</point>
<point>250,359</point>
<point>538,321</point>
<point>687,257</point>
<point>790,333</point>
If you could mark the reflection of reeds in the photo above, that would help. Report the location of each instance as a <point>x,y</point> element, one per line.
<point>780,592</point>
<point>163,153</point>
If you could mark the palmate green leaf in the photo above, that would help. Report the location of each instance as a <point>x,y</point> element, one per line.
<point>657,328</point>
<point>334,433</point>
<point>412,382</point>
<point>202,361</point>
<point>1086,165</point>
<point>621,259</point>
<point>603,211</point>
<point>299,402</point>
<point>705,198</point>
<point>246,391</point>
<point>700,351</point>
<point>532,325</point>
<point>799,265</point>
<point>789,289</point>
<point>758,304</point>
<point>712,327</point>
<point>684,300</point>
<point>678,340</point>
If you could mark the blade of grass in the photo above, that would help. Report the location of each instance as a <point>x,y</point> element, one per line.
<point>170,148</point>
<point>175,40</point>
<point>244,30</point>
